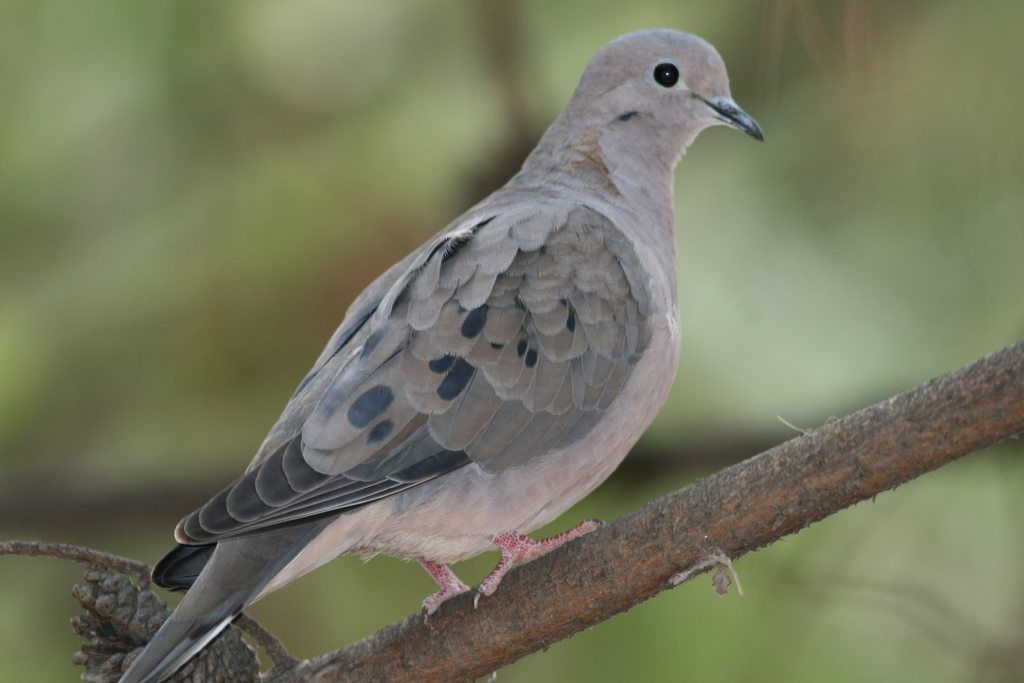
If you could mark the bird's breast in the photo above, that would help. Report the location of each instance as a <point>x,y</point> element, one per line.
<point>450,518</point>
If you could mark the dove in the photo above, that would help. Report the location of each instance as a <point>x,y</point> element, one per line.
<point>487,381</point>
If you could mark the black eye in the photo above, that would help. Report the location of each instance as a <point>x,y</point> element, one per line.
<point>666,74</point>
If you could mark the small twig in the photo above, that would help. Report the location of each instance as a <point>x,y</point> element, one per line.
<point>721,579</point>
<point>76,553</point>
<point>268,641</point>
<point>799,430</point>
<point>282,659</point>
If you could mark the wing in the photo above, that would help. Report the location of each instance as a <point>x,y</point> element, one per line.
<point>497,342</point>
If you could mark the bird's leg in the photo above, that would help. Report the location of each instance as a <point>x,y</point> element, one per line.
<point>446,579</point>
<point>517,548</point>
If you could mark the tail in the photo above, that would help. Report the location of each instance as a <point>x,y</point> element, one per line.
<point>236,572</point>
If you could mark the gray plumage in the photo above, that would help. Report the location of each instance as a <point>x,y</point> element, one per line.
<point>491,378</point>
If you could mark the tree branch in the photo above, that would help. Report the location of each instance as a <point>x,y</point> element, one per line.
<point>76,553</point>
<point>275,649</point>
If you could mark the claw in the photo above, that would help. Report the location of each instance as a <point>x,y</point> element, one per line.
<point>516,548</point>
<point>446,579</point>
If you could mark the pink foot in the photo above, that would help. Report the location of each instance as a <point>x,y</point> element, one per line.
<point>446,579</point>
<point>517,548</point>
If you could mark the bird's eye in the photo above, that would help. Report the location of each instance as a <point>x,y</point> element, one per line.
<point>666,74</point>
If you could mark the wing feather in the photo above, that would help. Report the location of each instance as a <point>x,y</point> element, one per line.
<point>500,340</point>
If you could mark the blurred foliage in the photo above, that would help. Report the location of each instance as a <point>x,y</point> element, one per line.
<point>191,194</point>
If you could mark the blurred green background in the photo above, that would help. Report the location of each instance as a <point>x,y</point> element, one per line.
<point>192,193</point>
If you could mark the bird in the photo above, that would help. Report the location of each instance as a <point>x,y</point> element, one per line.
<point>487,381</point>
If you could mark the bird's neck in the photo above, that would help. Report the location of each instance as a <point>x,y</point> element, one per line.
<point>619,177</point>
<point>609,166</point>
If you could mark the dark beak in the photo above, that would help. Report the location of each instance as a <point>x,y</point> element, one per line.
<point>732,115</point>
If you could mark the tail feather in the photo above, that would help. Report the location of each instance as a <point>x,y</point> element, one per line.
<point>175,643</point>
<point>180,568</point>
<point>235,574</point>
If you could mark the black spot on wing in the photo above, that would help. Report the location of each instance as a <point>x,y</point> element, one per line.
<point>442,364</point>
<point>628,115</point>
<point>531,358</point>
<point>521,348</point>
<point>570,318</point>
<point>473,324</point>
<point>497,345</point>
<point>370,405</point>
<point>379,432</point>
<point>456,379</point>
